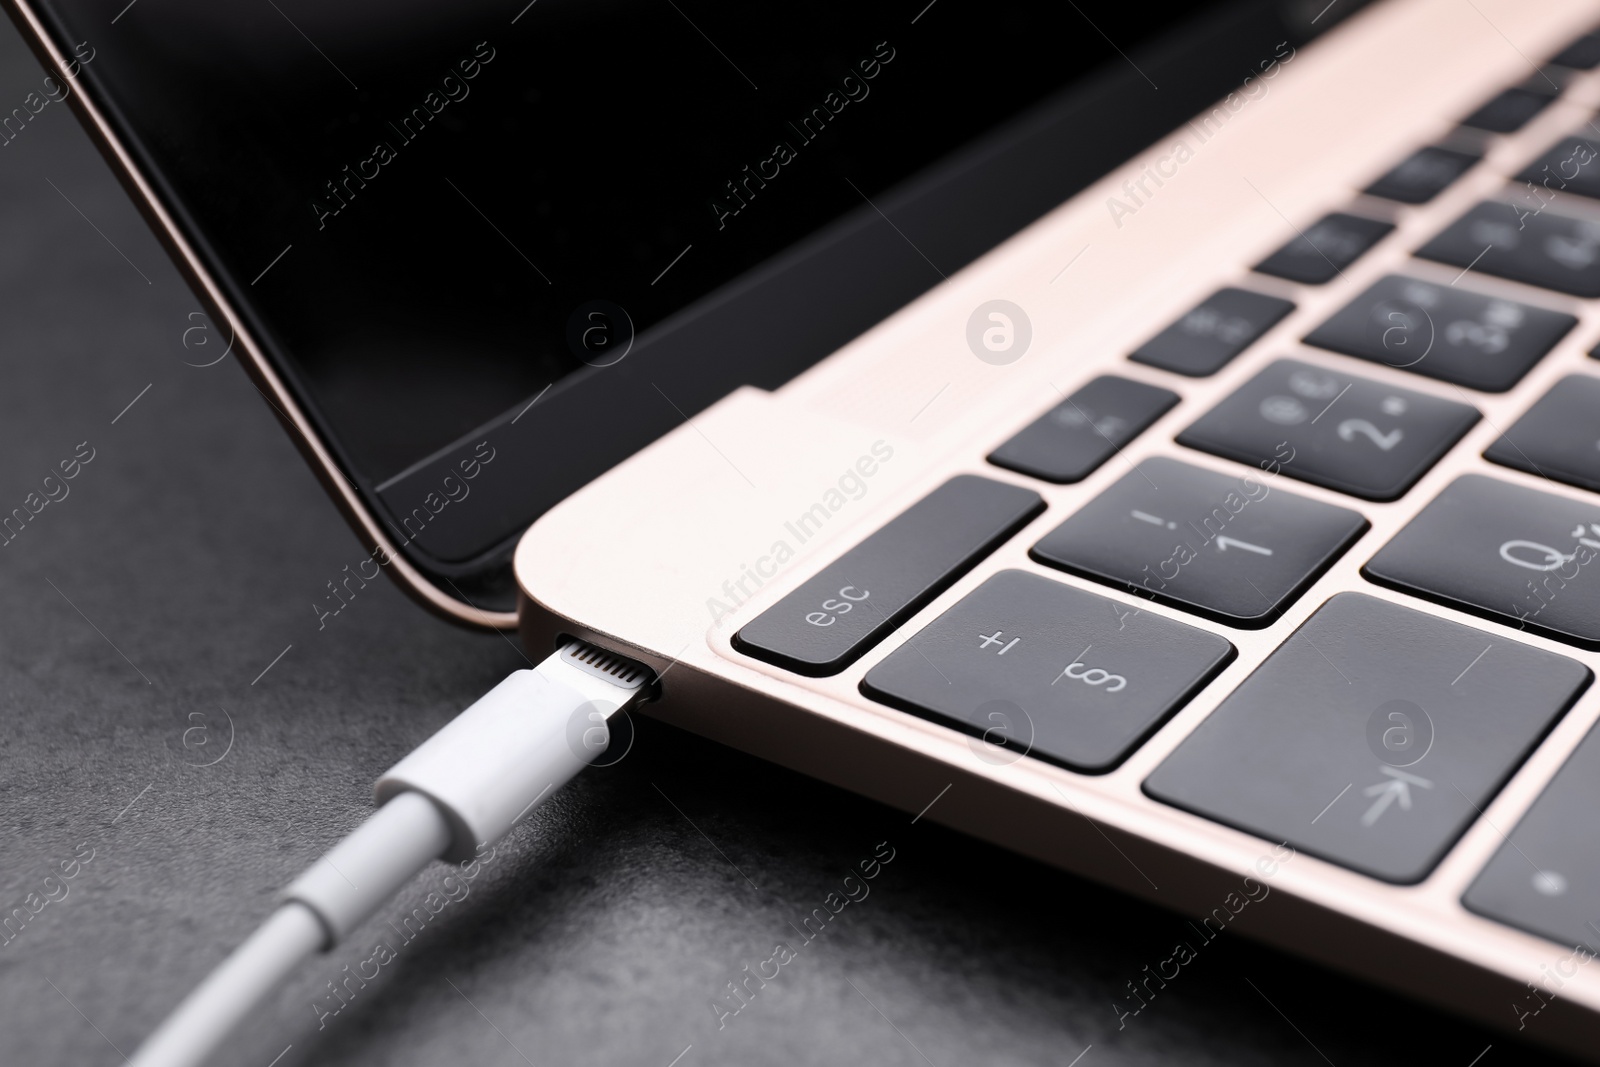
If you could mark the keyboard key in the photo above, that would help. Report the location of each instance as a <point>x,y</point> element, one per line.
<point>1515,555</point>
<point>1444,332</point>
<point>1319,254</point>
<point>1510,110</point>
<point>1568,166</point>
<point>826,624</point>
<point>1233,548</point>
<point>1545,878</point>
<point>1525,245</point>
<point>1372,737</point>
<point>1582,54</point>
<point>1203,341</point>
<point>1423,175</point>
<point>1351,434</point>
<point>1035,667</point>
<point>1068,442</point>
<point>1559,437</point>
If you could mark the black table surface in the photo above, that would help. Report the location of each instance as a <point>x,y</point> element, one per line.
<point>144,727</point>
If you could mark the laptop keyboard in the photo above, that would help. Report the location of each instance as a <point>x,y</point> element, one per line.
<point>1298,753</point>
<point>1521,243</point>
<point>1207,338</point>
<point>1318,255</point>
<point>1510,110</point>
<point>1565,167</point>
<point>1559,437</point>
<point>983,663</point>
<point>1542,901</point>
<point>830,621</point>
<point>1375,734</point>
<point>1235,549</point>
<point>1423,175</point>
<point>1444,332</point>
<point>1070,441</point>
<point>1518,556</point>
<point>1352,434</point>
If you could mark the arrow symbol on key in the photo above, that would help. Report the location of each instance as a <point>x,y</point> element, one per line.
<point>1397,788</point>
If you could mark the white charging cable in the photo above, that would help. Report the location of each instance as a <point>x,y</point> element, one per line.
<point>466,786</point>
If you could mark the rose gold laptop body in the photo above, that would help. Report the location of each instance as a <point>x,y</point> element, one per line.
<point>667,556</point>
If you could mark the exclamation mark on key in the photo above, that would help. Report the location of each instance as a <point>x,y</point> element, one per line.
<point>1153,520</point>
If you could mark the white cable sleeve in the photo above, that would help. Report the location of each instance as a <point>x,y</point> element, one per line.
<point>357,876</point>
<point>494,763</point>
<point>190,1034</point>
<point>339,892</point>
<point>468,784</point>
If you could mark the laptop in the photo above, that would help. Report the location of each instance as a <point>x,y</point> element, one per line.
<point>1167,446</point>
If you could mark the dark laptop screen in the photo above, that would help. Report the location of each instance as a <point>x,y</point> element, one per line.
<point>447,184</point>
<point>433,213</point>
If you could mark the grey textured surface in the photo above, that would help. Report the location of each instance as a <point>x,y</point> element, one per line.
<point>186,557</point>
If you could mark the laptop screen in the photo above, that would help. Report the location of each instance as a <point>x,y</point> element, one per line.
<point>434,213</point>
